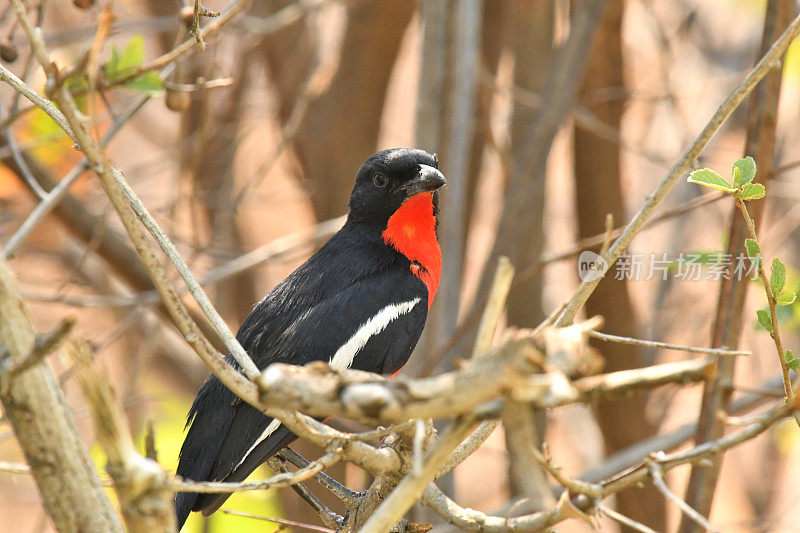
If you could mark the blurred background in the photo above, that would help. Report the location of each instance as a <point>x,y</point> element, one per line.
<point>538,141</point>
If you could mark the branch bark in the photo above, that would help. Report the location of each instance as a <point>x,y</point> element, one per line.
<point>45,428</point>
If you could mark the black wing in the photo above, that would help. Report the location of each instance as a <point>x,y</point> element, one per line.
<point>220,442</point>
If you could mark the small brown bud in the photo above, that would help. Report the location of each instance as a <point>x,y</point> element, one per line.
<point>83,4</point>
<point>178,101</point>
<point>8,52</point>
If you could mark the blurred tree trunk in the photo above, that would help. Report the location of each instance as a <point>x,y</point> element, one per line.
<point>340,128</point>
<point>209,145</point>
<point>599,191</point>
<point>430,99</point>
<point>517,220</point>
<point>532,30</point>
<point>493,34</point>
<point>445,124</point>
<point>532,26</point>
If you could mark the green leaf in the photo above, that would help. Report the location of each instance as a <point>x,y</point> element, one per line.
<point>753,249</point>
<point>133,56</point>
<point>123,64</point>
<point>786,298</point>
<point>746,168</point>
<point>791,361</point>
<point>709,178</point>
<point>778,278</point>
<point>149,82</point>
<point>764,320</point>
<point>751,191</point>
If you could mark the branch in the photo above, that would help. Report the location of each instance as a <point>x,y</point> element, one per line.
<point>412,486</point>
<point>43,346</point>
<point>472,520</point>
<point>143,487</point>
<point>667,345</point>
<point>284,479</point>
<point>657,476</point>
<point>775,333</point>
<point>45,428</point>
<point>767,62</point>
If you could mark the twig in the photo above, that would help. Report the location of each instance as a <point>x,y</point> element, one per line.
<point>348,496</point>
<point>52,197</point>
<point>765,64</point>
<point>14,468</point>
<point>657,475</point>
<point>329,518</point>
<point>411,487</point>
<point>281,521</point>
<point>624,520</point>
<point>43,347</point>
<point>284,479</point>
<point>637,452</point>
<point>200,11</point>
<point>577,486</point>
<point>772,303</point>
<point>667,345</point>
<point>39,101</point>
<point>142,485</point>
<point>242,358</point>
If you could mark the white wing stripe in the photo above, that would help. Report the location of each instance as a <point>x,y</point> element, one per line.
<point>267,432</point>
<point>344,356</point>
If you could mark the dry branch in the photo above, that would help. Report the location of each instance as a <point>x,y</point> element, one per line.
<point>143,487</point>
<point>45,429</point>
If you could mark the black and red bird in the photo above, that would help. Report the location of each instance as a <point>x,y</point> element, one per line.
<point>360,302</point>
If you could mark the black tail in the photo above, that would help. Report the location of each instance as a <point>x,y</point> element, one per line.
<point>210,422</point>
<point>223,429</point>
<point>208,503</point>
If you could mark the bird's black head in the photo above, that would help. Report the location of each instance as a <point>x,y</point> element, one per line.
<point>388,178</point>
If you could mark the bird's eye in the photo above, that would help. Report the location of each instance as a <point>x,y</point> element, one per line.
<point>380,180</point>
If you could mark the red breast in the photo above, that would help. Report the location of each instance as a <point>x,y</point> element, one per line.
<point>412,232</point>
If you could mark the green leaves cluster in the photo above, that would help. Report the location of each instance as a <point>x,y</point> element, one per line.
<point>123,64</point>
<point>743,173</point>
<point>742,187</point>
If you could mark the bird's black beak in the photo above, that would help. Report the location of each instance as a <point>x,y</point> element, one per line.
<point>427,180</point>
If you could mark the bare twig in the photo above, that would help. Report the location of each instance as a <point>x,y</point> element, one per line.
<point>143,487</point>
<point>281,521</point>
<point>667,345</point>
<point>624,520</point>
<point>39,101</point>
<point>657,475</point>
<point>200,11</point>
<point>42,348</point>
<point>348,496</point>
<point>285,479</point>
